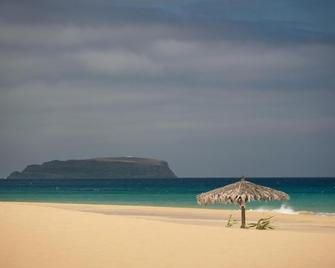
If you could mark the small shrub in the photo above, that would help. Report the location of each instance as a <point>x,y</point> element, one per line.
<point>262,224</point>
<point>231,221</point>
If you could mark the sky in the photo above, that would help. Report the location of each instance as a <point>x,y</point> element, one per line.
<point>218,88</point>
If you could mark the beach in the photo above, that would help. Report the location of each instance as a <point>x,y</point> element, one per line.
<point>80,235</point>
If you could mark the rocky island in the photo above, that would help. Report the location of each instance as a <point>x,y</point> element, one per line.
<point>97,168</point>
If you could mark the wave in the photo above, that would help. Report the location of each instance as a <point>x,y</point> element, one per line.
<point>326,214</point>
<point>284,209</point>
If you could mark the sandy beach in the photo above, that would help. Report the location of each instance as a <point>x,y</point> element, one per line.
<point>78,235</point>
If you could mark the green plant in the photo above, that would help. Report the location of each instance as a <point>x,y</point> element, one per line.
<point>231,221</point>
<point>262,224</point>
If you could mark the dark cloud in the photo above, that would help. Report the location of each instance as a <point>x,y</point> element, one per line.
<point>298,20</point>
<point>217,88</point>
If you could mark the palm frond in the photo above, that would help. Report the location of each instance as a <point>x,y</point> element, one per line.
<point>231,221</point>
<point>262,224</point>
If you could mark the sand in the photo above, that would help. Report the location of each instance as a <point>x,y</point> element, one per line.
<point>71,235</point>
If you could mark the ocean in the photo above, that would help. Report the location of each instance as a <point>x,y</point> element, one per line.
<point>313,195</point>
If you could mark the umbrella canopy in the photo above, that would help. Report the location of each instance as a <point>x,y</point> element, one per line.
<point>240,193</point>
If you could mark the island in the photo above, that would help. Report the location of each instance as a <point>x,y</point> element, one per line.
<point>97,168</point>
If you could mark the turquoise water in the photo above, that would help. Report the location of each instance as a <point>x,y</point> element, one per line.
<point>315,195</point>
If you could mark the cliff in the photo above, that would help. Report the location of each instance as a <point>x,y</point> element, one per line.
<point>97,168</point>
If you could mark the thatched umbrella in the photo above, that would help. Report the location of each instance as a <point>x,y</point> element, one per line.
<point>240,193</point>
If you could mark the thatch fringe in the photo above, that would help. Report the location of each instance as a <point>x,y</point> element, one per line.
<point>240,193</point>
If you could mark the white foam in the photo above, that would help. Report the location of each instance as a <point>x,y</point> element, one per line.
<point>326,214</point>
<point>284,209</point>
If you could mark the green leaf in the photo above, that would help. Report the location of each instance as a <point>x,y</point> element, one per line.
<point>231,221</point>
<point>262,224</point>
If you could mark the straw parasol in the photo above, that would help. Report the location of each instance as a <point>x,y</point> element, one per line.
<point>240,193</point>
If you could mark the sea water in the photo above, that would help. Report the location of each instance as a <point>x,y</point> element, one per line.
<point>314,195</point>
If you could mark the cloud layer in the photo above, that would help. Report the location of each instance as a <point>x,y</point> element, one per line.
<point>217,88</point>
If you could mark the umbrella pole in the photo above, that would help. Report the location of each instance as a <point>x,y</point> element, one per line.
<point>243,216</point>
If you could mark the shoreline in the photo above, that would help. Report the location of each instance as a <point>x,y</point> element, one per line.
<point>300,222</point>
<point>285,210</point>
<point>54,235</point>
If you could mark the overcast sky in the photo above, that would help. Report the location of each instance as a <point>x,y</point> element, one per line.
<point>215,87</point>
